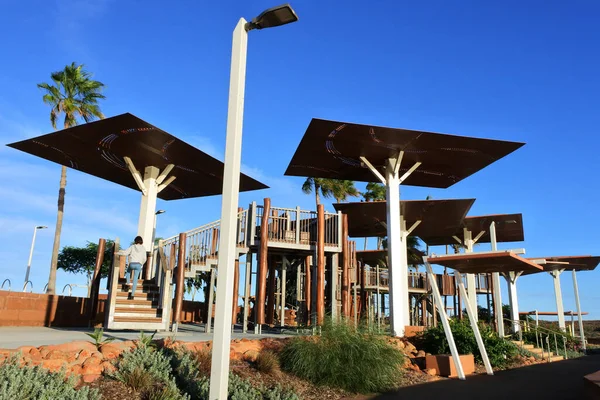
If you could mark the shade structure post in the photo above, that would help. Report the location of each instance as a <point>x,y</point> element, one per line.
<point>219,375</point>
<point>247,291</point>
<point>471,283</point>
<point>496,284</point>
<point>398,287</point>
<point>511,280</point>
<point>558,296</point>
<point>284,266</point>
<point>148,206</point>
<point>437,300</point>
<point>580,320</point>
<point>180,281</point>
<point>471,313</point>
<point>320,264</point>
<point>345,265</point>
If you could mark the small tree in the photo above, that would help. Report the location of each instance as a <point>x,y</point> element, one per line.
<point>82,260</point>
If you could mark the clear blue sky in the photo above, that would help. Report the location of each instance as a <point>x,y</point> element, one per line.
<point>513,70</point>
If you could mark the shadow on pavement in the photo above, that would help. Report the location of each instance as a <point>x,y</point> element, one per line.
<point>558,380</point>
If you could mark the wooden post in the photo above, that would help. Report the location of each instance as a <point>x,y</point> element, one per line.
<point>345,265</point>
<point>214,243</point>
<point>236,288</point>
<point>363,291</point>
<point>95,284</point>
<point>307,289</point>
<point>270,319</point>
<point>262,263</point>
<point>320,264</point>
<point>179,282</point>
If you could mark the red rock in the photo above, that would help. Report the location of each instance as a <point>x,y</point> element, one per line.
<point>55,355</point>
<point>44,351</point>
<point>76,370</point>
<point>110,351</point>
<point>431,371</point>
<point>89,378</point>
<point>53,365</point>
<point>25,349</point>
<point>97,354</point>
<point>74,346</point>
<point>84,355</point>
<point>108,366</point>
<point>92,361</point>
<point>34,354</point>
<point>92,369</point>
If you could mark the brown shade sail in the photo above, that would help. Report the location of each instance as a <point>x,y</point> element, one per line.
<point>331,149</point>
<point>98,148</point>
<point>482,263</point>
<point>577,263</point>
<point>439,218</point>
<point>372,257</point>
<point>509,228</point>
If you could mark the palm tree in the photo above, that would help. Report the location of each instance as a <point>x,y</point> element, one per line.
<point>74,94</point>
<point>375,192</point>
<point>342,189</point>
<point>318,186</point>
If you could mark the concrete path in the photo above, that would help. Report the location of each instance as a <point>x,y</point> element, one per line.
<point>13,337</point>
<point>562,380</point>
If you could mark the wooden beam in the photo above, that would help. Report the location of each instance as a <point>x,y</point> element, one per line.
<point>236,289</point>
<point>345,265</point>
<point>307,289</point>
<point>95,283</point>
<point>180,279</point>
<point>270,319</point>
<point>262,263</point>
<point>320,264</point>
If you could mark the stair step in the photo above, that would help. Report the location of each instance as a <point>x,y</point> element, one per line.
<point>137,319</point>
<point>136,310</point>
<point>556,358</point>
<point>141,303</point>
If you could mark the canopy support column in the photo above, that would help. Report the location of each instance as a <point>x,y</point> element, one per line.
<point>576,288</point>
<point>397,253</point>
<point>558,295</point>
<point>471,284</point>
<point>437,300</point>
<point>511,280</point>
<point>150,186</point>
<point>496,284</point>
<point>471,313</point>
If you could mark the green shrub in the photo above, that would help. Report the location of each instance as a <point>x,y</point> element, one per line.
<point>33,383</point>
<point>433,340</point>
<point>98,337</point>
<point>346,358</point>
<point>148,371</point>
<point>197,386</point>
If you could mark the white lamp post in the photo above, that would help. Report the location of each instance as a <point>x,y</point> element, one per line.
<point>31,254</point>
<point>154,227</point>
<point>272,17</point>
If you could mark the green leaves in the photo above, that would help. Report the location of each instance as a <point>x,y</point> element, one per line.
<point>79,260</point>
<point>98,337</point>
<point>73,93</point>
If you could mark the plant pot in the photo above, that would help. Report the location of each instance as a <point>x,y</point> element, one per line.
<point>444,365</point>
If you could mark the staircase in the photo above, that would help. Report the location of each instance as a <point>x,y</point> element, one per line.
<point>539,352</point>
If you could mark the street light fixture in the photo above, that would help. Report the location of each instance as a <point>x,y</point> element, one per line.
<point>154,226</point>
<point>272,17</point>
<point>31,254</point>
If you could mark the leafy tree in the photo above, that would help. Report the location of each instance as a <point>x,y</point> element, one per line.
<point>75,95</point>
<point>82,260</point>
<point>342,189</point>
<point>375,192</point>
<point>318,186</point>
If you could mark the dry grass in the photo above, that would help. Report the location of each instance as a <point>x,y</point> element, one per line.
<point>138,380</point>
<point>267,362</point>
<point>204,359</point>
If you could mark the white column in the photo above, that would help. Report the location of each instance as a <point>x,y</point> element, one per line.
<point>437,302</point>
<point>496,284</point>
<point>219,376</point>
<point>560,310</point>
<point>284,266</point>
<point>148,206</point>
<point>471,284</point>
<point>334,282</point>
<point>471,313</point>
<point>398,276</point>
<point>511,280</point>
<point>576,289</point>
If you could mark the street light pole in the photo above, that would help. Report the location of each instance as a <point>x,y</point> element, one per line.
<point>31,255</point>
<point>219,375</point>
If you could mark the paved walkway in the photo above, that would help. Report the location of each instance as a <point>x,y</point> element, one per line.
<point>13,337</point>
<point>561,380</point>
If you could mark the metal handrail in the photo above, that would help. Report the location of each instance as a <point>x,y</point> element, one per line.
<point>173,239</point>
<point>45,288</point>
<point>25,286</point>
<point>70,289</point>
<point>539,338</point>
<point>3,282</point>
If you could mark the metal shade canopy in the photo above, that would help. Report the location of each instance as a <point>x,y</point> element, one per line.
<point>439,218</point>
<point>577,263</point>
<point>483,263</point>
<point>331,149</point>
<point>509,228</point>
<point>98,148</point>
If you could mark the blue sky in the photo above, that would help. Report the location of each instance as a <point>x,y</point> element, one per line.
<point>512,70</point>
